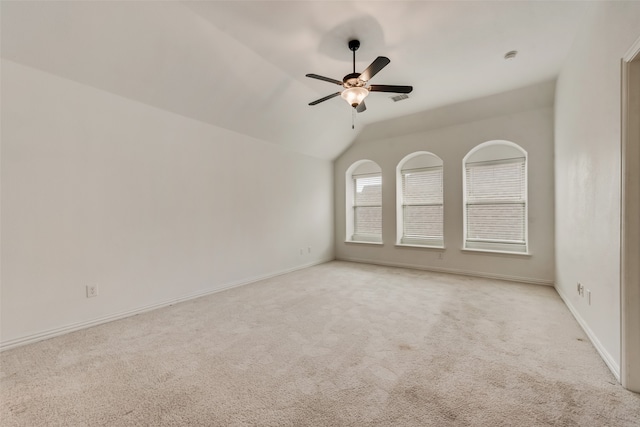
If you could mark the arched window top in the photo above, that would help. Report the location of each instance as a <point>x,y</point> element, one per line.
<point>419,160</point>
<point>495,150</point>
<point>495,198</point>
<point>364,167</point>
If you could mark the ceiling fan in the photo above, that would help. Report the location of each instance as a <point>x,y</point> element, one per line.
<point>355,84</point>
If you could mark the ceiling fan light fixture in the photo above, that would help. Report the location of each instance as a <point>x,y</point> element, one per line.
<point>355,84</point>
<point>354,95</point>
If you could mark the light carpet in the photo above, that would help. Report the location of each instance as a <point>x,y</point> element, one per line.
<point>339,344</point>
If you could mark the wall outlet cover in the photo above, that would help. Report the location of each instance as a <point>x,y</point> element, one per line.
<point>92,291</point>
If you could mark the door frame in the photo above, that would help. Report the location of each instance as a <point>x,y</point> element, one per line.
<point>630,221</point>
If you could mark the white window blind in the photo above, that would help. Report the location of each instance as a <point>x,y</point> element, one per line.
<point>422,206</point>
<point>496,205</point>
<point>367,206</point>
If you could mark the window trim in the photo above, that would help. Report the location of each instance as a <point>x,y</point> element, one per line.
<point>350,184</point>
<point>364,237</point>
<point>409,245</point>
<point>362,242</point>
<point>498,246</point>
<point>415,242</point>
<point>495,251</point>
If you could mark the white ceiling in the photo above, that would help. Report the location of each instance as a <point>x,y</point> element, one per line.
<point>241,65</point>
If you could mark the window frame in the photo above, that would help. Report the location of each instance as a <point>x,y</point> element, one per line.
<point>358,169</point>
<point>496,245</point>
<point>365,237</point>
<point>414,241</point>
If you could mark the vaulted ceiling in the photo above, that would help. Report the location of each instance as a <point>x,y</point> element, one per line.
<point>241,65</point>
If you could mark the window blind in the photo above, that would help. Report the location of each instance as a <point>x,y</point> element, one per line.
<point>496,202</point>
<point>367,207</point>
<point>422,206</point>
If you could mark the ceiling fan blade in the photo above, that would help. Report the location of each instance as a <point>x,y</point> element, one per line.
<point>361,107</point>
<point>378,64</point>
<point>318,101</point>
<point>390,88</point>
<point>326,79</point>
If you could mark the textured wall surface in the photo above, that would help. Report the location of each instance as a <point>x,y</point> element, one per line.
<point>587,152</point>
<point>149,205</point>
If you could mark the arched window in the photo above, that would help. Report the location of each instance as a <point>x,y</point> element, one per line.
<point>364,202</point>
<point>495,197</point>
<point>420,212</point>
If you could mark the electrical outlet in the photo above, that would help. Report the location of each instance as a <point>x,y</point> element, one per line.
<point>92,291</point>
<point>309,250</point>
<point>301,251</point>
<point>440,255</point>
<point>580,289</point>
<point>588,297</point>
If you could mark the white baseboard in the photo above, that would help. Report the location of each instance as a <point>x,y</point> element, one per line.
<point>40,336</point>
<point>453,271</point>
<point>604,354</point>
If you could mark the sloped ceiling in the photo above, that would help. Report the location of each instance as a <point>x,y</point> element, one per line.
<point>241,65</point>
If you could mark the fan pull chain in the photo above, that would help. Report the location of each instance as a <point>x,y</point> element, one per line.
<point>353,118</point>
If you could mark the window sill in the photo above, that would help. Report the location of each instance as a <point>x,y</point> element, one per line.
<point>490,251</point>
<point>407,245</point>
<point>362,242</point>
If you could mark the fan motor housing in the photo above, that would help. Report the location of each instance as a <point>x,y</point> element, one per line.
<point>352,80</point>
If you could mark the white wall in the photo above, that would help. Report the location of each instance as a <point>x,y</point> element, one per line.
<point>523,116</point>
<point>587,152</point>
<point>148,204</point>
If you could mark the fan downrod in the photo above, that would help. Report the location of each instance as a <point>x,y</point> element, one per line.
<point>353,46</point>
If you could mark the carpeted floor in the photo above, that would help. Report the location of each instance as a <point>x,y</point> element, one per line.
<point>339,344</point>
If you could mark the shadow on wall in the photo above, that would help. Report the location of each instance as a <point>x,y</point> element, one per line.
<point>527,98</point>
<point>365,27</point>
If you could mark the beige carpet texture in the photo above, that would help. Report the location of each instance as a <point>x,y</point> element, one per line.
<point>339,344</point>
